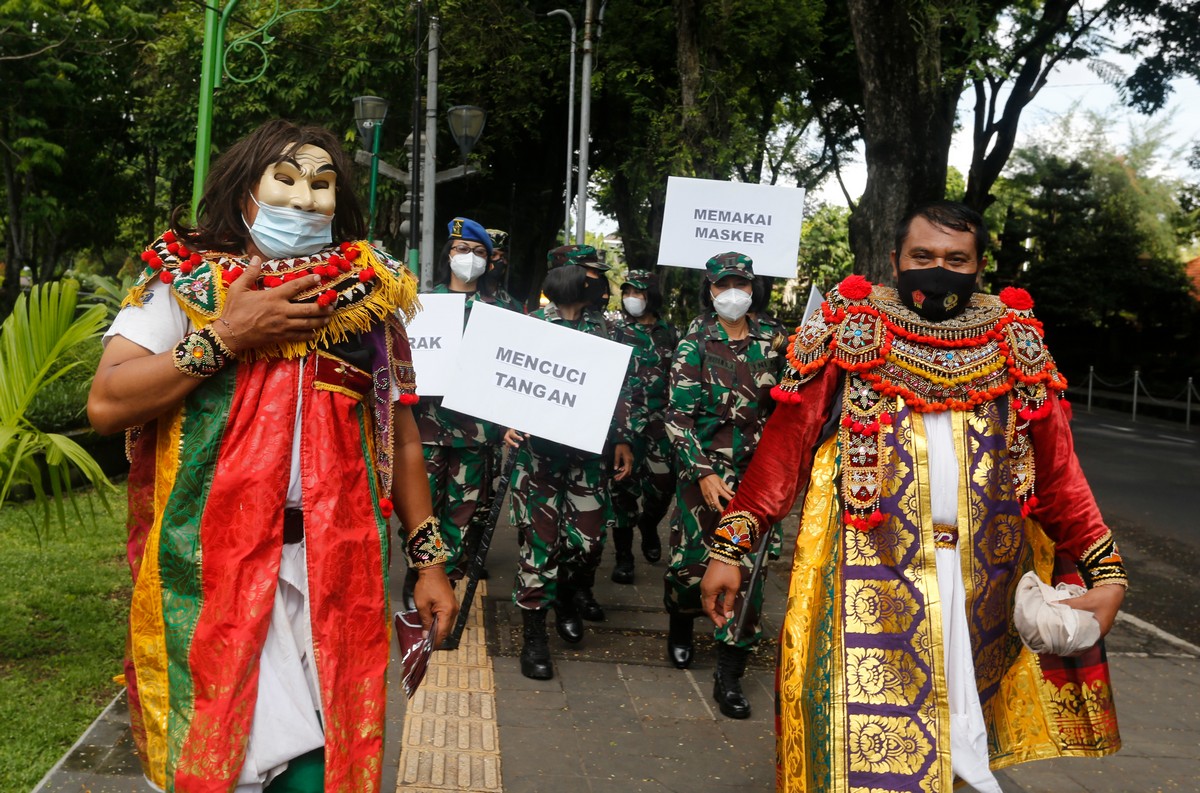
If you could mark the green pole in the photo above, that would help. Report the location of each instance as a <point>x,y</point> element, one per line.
<point>208,68</point>
<point>376,128</point>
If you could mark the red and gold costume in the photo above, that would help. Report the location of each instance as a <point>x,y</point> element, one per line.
<point>862,688</point>
<point>207,492</point>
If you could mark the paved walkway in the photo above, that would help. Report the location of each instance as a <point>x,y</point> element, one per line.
<point>616,717</point>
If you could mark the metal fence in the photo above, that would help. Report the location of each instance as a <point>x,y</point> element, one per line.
<point>1135,394</point>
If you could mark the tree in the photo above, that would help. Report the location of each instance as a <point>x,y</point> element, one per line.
<point>696,90</point>
<point>1090,232</point>
<point>915,57</point>
<point>65,118</point>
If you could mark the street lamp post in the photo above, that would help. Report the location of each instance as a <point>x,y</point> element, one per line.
<point>369,113</point>
<point>585,123</point>
<point>570,124</point>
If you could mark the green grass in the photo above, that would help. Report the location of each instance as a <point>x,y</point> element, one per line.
<point>64,597</point>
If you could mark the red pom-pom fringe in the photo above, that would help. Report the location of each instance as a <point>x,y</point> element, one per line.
<point>409,399</point>
<point>328,297</point>
<point>168,236</point>
<point>1029,506</point>
<point>385,507</point>
<point>1016,298</point>
<point>855,287</point>
<point>166,276</point>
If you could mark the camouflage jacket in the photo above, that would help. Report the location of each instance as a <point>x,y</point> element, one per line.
<point>653,348</point>
<point>440,426</point>
<point>721,396</point>
<point>593,322</point>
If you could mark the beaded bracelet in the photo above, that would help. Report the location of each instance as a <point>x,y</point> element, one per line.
<point>734,537</point>
<point>425,547</point>
<point>201,353</point>
<point>1102,564</point>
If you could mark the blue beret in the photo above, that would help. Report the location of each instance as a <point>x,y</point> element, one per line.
<point>467,229</point>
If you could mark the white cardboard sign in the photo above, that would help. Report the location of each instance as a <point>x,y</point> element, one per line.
<point>549,381</point>
<point>435,335</point>
<point>704,217</point>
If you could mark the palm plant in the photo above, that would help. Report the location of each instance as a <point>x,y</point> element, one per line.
<point>33,342</point>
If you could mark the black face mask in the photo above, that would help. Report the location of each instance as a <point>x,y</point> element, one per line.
<point>935,293</point>
<point>595,292</point>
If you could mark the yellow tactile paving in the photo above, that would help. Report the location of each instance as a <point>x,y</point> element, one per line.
<point>451,741</point>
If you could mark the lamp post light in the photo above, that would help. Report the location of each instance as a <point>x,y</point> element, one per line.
<point>369,113</point>
<point>570,124</point>
<point>466,127</point>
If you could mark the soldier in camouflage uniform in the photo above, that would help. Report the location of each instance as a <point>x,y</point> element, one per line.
<point>721,380</point>
<point>458,448</point>
<point>559,494</point>
<point>643,499</point>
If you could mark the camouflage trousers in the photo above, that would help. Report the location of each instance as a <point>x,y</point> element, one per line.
<point>643,497</point>
<point>459,483</point>
<point>688,559</point>
<point>558,507</point>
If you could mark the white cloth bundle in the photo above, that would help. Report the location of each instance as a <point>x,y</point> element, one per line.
<point>1049,626</point>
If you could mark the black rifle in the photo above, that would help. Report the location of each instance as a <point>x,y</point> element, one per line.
<point>479,559</point>
<point>743,614</point>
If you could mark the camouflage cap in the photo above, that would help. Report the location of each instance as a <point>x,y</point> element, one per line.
<point>583,255</point>
<point>499,238</point>
<point>731,263</point>
<point>467,229</point>
<point>640,279</point>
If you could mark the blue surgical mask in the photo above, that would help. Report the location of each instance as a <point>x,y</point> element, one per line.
<point>284,232</point>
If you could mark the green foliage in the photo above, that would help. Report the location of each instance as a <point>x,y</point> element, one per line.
<point>825,254</point>
<point>35,341</point>
<point>64,599</point>
<point>1090,231</point>
<point>66,151</point>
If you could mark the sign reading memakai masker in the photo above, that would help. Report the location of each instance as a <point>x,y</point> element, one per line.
<point>549,381</point>
<point>704,217</point>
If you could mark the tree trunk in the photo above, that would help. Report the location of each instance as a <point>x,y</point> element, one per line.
<point>640,223</point>
<point>908,121</point>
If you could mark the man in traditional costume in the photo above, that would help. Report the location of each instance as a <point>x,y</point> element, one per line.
<point>267,383</point>
<point>927,425</point>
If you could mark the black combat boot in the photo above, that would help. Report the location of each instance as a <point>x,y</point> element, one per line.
<point>679,640</point>
<point>586,605</point>
<point>535,654</point>
<point>727,681</point>
<point>623,570</point>
<point>623,546</point>
<point>651,544</point>
<point>566,616</point>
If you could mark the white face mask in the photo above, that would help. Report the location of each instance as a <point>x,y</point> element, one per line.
<point>467,266</point>
<point>284,232</point>
<point>732,304</point>
<point>636,306</point>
